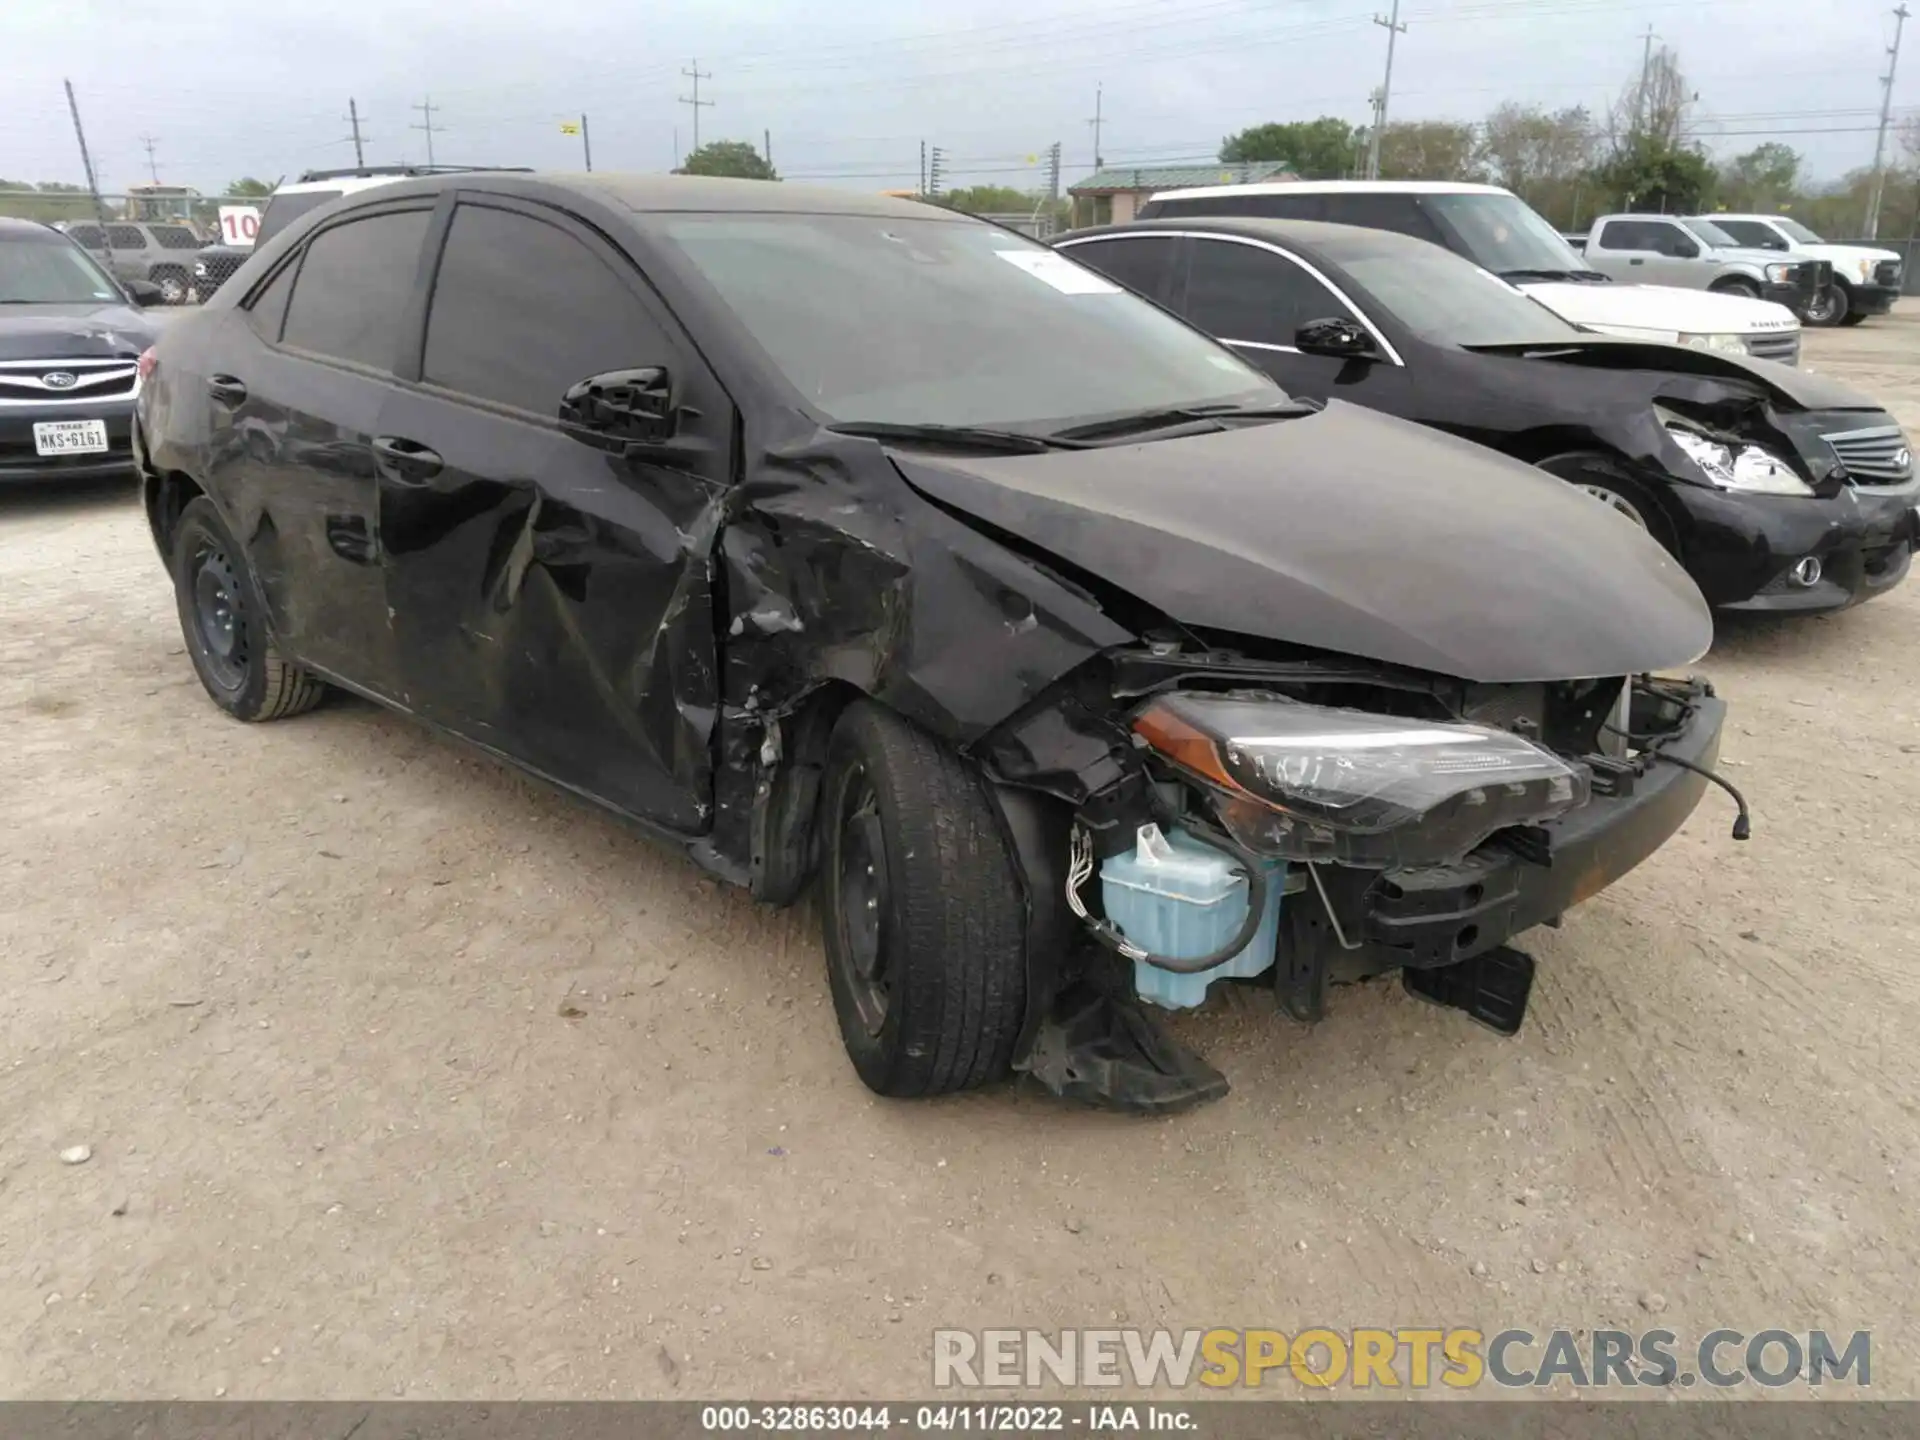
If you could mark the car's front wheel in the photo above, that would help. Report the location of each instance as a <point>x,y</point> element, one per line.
<point>1830,307</point>
<point>1601,477</point>
<point>224,624</point>
<point>173,285</point>
<point>922,914</point>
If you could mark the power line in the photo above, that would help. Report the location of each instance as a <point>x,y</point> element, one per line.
<point>696,74</point>
<point>426,109</point>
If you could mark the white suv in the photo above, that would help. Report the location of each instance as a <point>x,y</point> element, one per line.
<point>1498,231</point>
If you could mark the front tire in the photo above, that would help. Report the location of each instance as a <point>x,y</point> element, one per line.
<point>1745,289</point>
<point>1831,307</point>
<point>1599,476</point>
<point>921,912</point>
<point>224,624</point>
<point>173,286</point>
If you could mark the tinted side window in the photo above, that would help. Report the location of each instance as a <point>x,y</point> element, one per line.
<point>1639,235</point>
<point>268,310</point>
<point>1277,207</point>
<point>126,237</point>
<point>1136,262</point>
<point>1241,292</point>
<point>90,236</point>
<point>1399,213</point>
<point>351,295</point>
<point>176,237</point>
<point>522,311</point>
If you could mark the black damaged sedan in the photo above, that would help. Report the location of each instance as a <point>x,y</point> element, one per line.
<point>1778,489</point>
<point>846,540</point>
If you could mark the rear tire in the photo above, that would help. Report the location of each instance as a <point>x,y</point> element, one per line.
<point>920,909</point>
<point>1745,289</point>
<point>224,624</point>
<point>1832,307</point>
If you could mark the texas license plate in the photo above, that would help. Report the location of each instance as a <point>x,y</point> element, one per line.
<point>70,437</point>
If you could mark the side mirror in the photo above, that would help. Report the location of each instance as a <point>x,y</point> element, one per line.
<point>145,292</point>
<point>623,405</point>
<point>1340,339</point>
<point>1686,250</point>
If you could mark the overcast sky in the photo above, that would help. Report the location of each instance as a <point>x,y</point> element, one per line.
<point>850,88</point>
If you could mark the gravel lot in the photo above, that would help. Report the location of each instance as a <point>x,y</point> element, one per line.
<point>404,1076</point>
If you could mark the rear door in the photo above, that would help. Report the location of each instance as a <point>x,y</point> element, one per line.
<point>1142,260</point>
<point>296,396</point>
<point>551,595</point>
<point>1640,251</point>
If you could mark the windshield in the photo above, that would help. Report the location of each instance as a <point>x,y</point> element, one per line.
<point>285,208</point>
<point>1796,231</point>
<point>1450,301</point>
<point>938,322</point>
<point>1501,233</point>
<point>1712,234</point>
<point>45,268</point>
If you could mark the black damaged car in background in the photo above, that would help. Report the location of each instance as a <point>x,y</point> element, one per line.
<point>842,537</point>
<point>1778,489</point>
<point>71,337</point>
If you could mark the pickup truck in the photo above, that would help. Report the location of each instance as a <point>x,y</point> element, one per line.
<point>1695,254</point>
<point>1500,233</point>
<point>1866,279</point>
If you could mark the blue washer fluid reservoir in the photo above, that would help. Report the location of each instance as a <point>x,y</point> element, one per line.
<point>1176,895</point>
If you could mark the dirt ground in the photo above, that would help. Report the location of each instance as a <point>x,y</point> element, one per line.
<point>405,1076</point>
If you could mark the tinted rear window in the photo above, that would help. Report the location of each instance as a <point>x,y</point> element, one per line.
<point>283,210</point>
<point>350,297</point>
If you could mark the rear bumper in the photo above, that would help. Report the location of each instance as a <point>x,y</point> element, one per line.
<point>1441,915</point>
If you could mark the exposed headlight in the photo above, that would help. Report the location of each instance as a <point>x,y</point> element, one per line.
<point>1865,267</point>
<point>1779,274</point>
<point>1725,344</point>
<point>1746,468</point>
<point>1308,782</point>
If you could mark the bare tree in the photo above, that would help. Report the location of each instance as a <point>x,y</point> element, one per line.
<point>1653,106</point>
<point>1543,157</point>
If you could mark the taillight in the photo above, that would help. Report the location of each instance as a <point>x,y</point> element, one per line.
<point>148,361</point>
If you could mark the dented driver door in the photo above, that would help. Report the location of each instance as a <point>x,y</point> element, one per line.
<point>549,586</point>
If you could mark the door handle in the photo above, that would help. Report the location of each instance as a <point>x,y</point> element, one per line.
<point>227,390</point>
<point>1636,261</point>
<point>406,462</point>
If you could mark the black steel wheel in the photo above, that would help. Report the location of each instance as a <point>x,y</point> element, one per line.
<point>921,913</point>
<point>224,624</point>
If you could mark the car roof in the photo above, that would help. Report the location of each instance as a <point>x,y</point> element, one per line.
<point>1331,241</point>
<point>15,225</point>
<point>645,194</point>
<point>1335,187</point>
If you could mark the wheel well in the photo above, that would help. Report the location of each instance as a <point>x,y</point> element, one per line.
<point>1533,446</point>
<point>1616,469</point>
<point>1736,282</point>
<point>786,844</point>
<point>166,495</point>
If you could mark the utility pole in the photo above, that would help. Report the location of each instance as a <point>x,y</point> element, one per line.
<point>86,161</point>
<point>936,163</point>
<point>1095,123</point>
<point>696,74</point>
<point>766,147</point>
<point>1395,29</point>
<point>353,118</point>
<point>586,141</point>
<point>148,142</point>
<point>1646,75</point>
<point>923,167</point>
<point>1886,107</point>
<point>426,110</point>
<point>1053,171</point>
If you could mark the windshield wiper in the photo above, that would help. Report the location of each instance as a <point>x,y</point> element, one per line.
<point>1581,276</point>
<point>1179,415</point>
<point>972,437</point>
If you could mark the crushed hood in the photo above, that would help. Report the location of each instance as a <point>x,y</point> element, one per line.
<point>1660,307</point>
<point>1351,532</point>
<point>1803,389</point>
<point>72,332</point>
